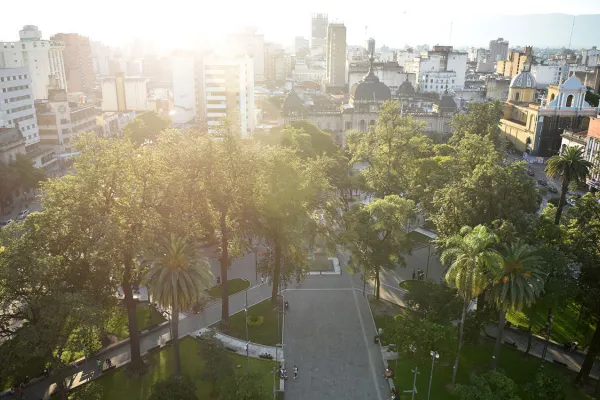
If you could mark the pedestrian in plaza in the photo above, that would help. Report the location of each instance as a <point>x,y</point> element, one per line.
<point>285,375</point>
<point>21,390</point>
<point>297,281</point>
<point>295,372</point>
<point>99,364</point>
<point>414,274</point>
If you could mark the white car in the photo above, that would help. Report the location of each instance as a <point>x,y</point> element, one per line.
<point>571,201</point>
<point>6,223</point>
<point>22,214</point>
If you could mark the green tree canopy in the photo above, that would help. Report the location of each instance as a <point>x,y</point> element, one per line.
<point>243,387</point>
<point>492,385</point>
<point>375,234</point>
<point>146,127</point>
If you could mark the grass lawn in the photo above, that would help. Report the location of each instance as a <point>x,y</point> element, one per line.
<point>411,285</point>
<point>234,286</point>
<point>146,316</point>
<point>418,239</point>
<point>119,385</point>
<point>564,324</point>
<point>476,359</point>
<point>266,333</point>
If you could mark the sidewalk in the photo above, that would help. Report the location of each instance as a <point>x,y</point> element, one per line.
<point>121,355</point>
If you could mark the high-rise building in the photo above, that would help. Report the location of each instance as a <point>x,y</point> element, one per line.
<point>336,56</point>
<point>123,93</point>
<point>318,36</point>
<point>439,70</point>
<point>16,103</point>
<point>498,50</point>
<point>228,87</point>
<point>100,58</point>
<point>300,44</point>
<point>43,58</point>
<point>79,67</point>
<point>274,63</point>
<point>516,63</point>
<point>248,42</point>
<point>186,85</point>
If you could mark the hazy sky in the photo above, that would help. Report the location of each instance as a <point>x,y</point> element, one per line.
<point>181,23</point>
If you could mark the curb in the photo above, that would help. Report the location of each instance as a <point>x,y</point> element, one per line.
<point>385,364</point>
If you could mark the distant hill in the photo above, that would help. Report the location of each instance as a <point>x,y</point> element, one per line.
<point>541,30</point>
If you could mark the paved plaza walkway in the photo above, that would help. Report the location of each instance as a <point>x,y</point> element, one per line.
<point>329,335</point>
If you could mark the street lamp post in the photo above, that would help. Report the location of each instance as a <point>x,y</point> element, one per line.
<point>428,256</point>
<point>247,339</point>
<point>276,367</point>
<point>434,356</point>
<point>414,388</point>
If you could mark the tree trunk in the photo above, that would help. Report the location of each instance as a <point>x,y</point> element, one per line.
<point>561,202</point>
<point>224,266</point>
<point>481,302</point>
<point>134,339</point>
<point>498,344</point>
<point>377,286</point>
<point>590,357</point>
<point>175,338</point>
<point>276,272</point>
<point>529,336</point>
<point>460,339</point>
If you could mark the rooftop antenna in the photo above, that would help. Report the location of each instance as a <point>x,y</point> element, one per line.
<point>571,36</point>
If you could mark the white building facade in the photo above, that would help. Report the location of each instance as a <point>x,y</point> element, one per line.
<point>16,103</point>
<point>185,88</point>
<point>249,43</point>
<point>125,94</point>
<point>228,88</point>
<point>43,58</point>
<point>547,74</point>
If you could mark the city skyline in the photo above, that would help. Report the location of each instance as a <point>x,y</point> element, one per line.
<point>461,25</point>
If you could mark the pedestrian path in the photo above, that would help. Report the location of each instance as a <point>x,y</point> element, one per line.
<point>120,354</point>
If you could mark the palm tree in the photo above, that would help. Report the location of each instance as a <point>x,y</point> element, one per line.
<point>514,284</point>
<point>176,278</point>
<point>469,253</point>
<point>571,166</point>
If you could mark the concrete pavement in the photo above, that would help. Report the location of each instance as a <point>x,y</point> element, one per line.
<point>328,335</point>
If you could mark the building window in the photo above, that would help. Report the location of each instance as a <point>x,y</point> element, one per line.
<point>517,96</point>
<point>570,100</point>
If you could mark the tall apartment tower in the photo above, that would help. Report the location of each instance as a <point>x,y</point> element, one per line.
<point>43,58</point>
<point>228,92</point>
<point>79,67</point>
<point>498,50</point>
<point>319,30</point>
<point>16,103</point>
<point>335,73</point>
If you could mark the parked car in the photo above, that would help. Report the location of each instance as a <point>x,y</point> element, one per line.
<point>6,223</point>
<point>22,214</point>
<point>530,172</point>
<point>571,201</point>
<point>552,189</point>
<point>542,182</point>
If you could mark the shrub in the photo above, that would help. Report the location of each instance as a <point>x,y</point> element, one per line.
<point>181,388</point>
<point>255,320</point>
<point>266,356</point>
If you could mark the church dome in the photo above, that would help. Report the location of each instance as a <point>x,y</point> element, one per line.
<point>406,89</point>
<point>370,89</point>
<point>292,103</point>
<point>524,80</point>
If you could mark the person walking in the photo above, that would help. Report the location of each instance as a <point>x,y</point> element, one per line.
<point>295,372</point>
<point>297,281</point>
<point>99,364</point>
<point>414,274</point>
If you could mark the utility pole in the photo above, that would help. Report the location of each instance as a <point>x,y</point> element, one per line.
<point>247,339</point>
<point>414,388</point>
<point>434,355</point>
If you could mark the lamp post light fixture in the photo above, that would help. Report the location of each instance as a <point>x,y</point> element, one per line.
<point>434,355</point>
<point>277,346</point>
<point>247,339</point>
